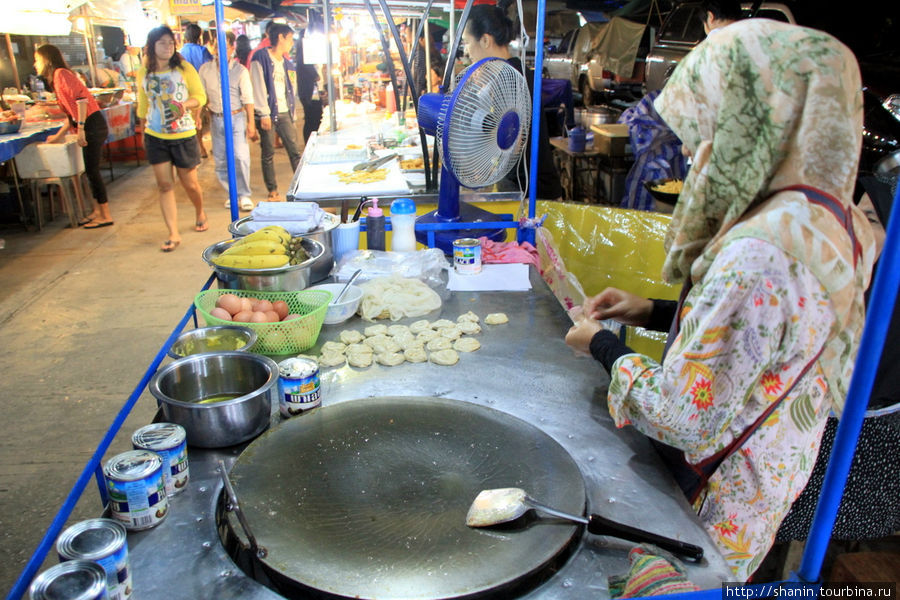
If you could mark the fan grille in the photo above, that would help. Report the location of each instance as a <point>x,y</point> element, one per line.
<point>471,118</point>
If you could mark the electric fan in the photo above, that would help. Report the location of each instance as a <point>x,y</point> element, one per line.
<point>480,128</point>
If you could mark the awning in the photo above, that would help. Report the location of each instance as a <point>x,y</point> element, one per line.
<point>39,17</point>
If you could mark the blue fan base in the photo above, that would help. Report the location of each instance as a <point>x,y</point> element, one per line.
<point>467,214</point>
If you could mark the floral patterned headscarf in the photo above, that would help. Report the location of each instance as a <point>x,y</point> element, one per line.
<point>762,106</point>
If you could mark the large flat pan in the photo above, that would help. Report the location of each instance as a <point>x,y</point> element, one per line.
<point>368,498</point>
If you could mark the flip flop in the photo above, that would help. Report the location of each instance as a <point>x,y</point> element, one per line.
<point>84,221</point>
<point>169,245</point>
<point>98,225</point>
<point>201,225</point>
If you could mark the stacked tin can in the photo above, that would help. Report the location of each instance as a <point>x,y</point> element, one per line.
<point>81,579</point>
<point>137,490</point>
<point>102,541</point>
<point>170,442</point>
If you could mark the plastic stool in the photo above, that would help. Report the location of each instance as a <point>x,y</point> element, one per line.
<point>71,204</point>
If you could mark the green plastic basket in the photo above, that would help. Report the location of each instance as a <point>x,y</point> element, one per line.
<point>284,337</point>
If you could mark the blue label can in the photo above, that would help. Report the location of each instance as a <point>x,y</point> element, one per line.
<point>102,541</point>
<point>137,491</point>
<point>299,385</point>
<point>170,442</point>
<point>467,256</point>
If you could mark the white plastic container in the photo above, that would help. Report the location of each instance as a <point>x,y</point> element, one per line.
<point>403,225</point>
<point>36,161</point>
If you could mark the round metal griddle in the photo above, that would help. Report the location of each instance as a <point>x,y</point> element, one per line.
<point>368,498</point>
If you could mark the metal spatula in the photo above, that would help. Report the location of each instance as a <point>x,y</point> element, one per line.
<point>502,505</point>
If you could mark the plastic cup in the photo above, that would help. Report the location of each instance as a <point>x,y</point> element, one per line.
<point>19,108</point>
<point>344,239</point>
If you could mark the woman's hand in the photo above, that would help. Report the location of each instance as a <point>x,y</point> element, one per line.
<point>82,141</point>
<point>624,307</point>
<point>581,333</point>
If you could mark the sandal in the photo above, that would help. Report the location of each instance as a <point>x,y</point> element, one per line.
<point>84,221</point>
<point>169,245</point>
<point>201,225</point>
<point>97,224</point>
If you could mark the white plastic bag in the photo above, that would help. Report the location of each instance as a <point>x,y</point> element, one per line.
<point>425,265</point>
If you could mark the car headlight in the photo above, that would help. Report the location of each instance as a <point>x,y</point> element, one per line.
<point>892,105</point>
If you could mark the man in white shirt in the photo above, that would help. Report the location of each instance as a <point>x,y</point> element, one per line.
<point>274,102</point>
<point>242,121</point>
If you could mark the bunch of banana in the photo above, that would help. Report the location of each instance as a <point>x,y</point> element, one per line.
<point>268,248</point>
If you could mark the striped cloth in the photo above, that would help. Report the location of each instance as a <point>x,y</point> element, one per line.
<point>653,572</point>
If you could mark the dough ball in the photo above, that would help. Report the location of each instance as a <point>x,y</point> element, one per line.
<point>375,339</point>
<point>359,359</point>
<point>405,339</point>
<point>439,343</point>
<point>415,354</point>
<point>441,323</point>
<point>466,344</point>
<point>386,345</point>
<point>390,359</point>
<point>444,357</point>
<point>373,330</point>
<point>451,333</point>
<point>420,326</point>
<point>469,327</point>
<point>333,347</point>
<point>427,335</point>
<point>469,317</point>
<point>496,319</point>
<point>351,336</point>
<point>332,359</point>
<point>359,349</point>
<point>395,330</point>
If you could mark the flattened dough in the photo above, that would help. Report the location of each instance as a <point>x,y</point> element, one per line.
<point>451,333</point>
<point>351,336</point>
<point>469,327</point>
<point>469,316</point>
<point>332,359</point>
<point>390,359</point>
<point>420,326</point>
<point>386,345</point>
<point>375,339</point>
<point>359,349</point>
<point>441,323</point>
<point>496,319</point>
<point>405,339</point>
<point>359,359</point>
<point>439,343</point>
<point>333,347</point>
<point>466,344</point>
<point>415,354</point>
<point>444,357</point>
<point>373,330</point>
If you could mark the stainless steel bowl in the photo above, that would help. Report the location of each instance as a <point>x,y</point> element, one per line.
<point>291,278</point>
<point>596,115</point>
<point>321,234</point>
<point>218,338</point>
<point>10,126</point>
<point>252,380</point>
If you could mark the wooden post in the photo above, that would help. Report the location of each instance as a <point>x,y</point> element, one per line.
<point>12,60</point>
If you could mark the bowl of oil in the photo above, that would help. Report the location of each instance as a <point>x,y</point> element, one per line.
<point>220,398</point>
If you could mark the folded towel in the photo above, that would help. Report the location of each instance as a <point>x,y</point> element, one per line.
<point>653,572</point>
<point>508,252</point>
<point>296,217</point>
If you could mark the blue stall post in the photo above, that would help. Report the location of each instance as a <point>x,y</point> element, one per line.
<point>878,319</point>
<point>527,234</point>
<point>226,108</point>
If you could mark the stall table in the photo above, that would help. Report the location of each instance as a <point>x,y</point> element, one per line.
<point>590,176</point>
<point>13,143</point>
<point>524,369</point>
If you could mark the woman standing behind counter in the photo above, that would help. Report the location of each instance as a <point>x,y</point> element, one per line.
<point>169,88</point>
<point>84,114</point>
<point>775,259</point>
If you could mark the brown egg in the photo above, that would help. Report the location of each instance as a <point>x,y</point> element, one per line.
<point>246,305</point>
<point>243,316</point>
<point>258,317</point>
<point>281,307</point>
<point>262,306</point>
<point>289,317</point>
<point>272,316</point>
<point>220,313</point>
<point>229,302</point>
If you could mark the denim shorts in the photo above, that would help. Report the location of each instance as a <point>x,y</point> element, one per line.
<point>184,153</point>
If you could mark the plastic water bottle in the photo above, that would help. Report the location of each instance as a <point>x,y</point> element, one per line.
<point>375,227</point>
<point>403,225</point>
<point>39,88</point>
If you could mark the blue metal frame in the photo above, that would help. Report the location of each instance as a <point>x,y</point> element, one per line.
<point>883,297</point>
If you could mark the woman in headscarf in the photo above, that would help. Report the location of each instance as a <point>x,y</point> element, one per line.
<point>774,259</point>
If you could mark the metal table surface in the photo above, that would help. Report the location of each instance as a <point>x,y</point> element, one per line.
<point>523,368</point>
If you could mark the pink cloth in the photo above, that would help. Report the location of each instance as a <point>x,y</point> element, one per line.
<point>508,252</point>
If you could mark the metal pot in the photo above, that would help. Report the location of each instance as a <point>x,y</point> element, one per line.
<point>596,115</point>
<point>217,338</point>
<point>291,278</point>
<point>181,385</point>
<point>321,234</point>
